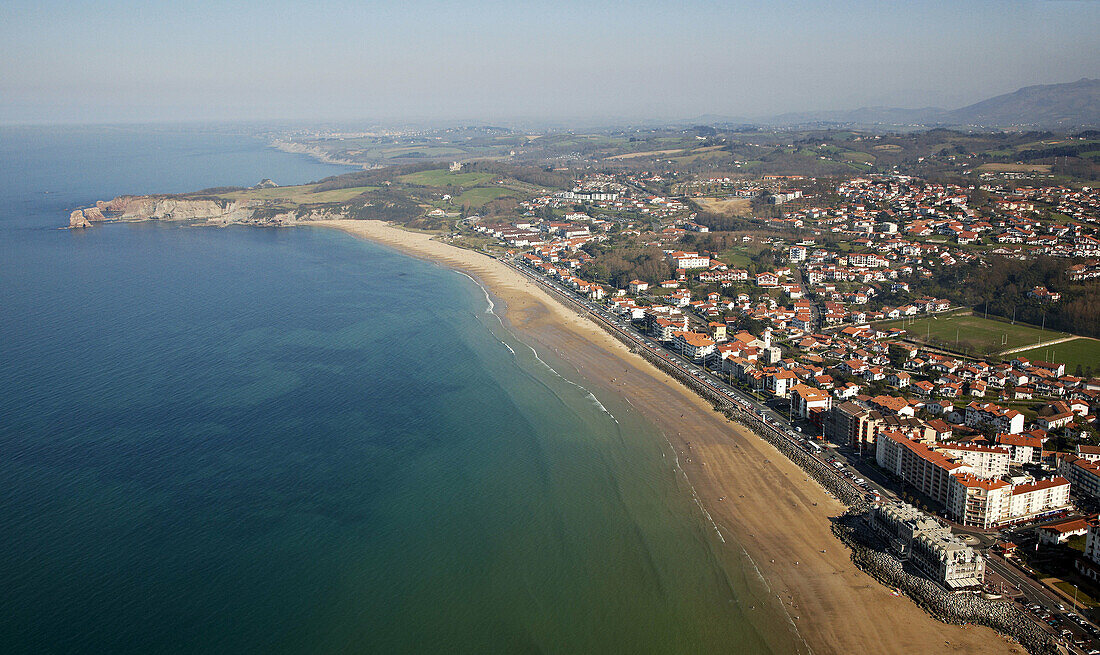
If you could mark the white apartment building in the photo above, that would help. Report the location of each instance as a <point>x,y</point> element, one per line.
<point>688,260</point>
<point>987,461</point>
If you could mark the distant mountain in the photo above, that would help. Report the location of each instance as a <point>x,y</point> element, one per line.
<point>1070,105</point>
<point>862,116</point>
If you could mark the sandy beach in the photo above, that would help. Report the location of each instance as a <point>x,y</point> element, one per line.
<point>756,496</point>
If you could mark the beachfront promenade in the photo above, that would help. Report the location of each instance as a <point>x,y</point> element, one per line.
<point>766,422</point>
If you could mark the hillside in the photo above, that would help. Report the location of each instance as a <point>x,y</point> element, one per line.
<point>1070,105</point>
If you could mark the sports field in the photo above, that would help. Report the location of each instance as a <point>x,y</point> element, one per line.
<point>971,333</point>
<point>1082,350</point>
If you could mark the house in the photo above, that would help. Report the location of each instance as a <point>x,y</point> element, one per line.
<point>663,329</point>
<point>899,379</point>
<point>638,286</point>
<point>892,405</point>
<point>780,382</point>
<point>1055,421</point>
<point>939,406</point>
<point>767,280</point>
<point>941,429</point>
<point>1042,294</point>
<point>1089,453</point>
<point>809,400</point>
<point>1004,420</point>
<point>1056,533</point>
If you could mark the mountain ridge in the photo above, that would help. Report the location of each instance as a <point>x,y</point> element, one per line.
<point>1067,105</point>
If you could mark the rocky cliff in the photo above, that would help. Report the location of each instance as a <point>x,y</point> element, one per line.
<point>131,208</point>
<point>84,217</point>
<point>217,211</point>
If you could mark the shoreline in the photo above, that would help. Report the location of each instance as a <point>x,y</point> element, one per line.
<point>779,516</point>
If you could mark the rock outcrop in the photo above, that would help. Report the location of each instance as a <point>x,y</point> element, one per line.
<point>77,219</point>
<point>84,217</point>
<point>217,211</point>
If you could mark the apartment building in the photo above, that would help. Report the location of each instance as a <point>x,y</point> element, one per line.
<point>937,553</point>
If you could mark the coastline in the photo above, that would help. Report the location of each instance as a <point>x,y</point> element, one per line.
<point>754,494</point>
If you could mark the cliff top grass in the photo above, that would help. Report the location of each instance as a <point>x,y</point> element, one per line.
<point>443,178</point>
<point>304,194</point>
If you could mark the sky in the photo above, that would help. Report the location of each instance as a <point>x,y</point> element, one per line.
<point>110,61</point>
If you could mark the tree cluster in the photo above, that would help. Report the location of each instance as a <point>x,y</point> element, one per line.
<point>618,267</point>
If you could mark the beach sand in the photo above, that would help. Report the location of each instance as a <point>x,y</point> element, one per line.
<point>769,505</point>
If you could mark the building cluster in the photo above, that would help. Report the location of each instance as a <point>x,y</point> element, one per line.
<point>926,542</point>
<point>971,481</point>
<point>1051,220</point>
<point>612,197</point>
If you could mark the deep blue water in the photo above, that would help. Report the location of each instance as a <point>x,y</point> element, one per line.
<point>287,440</point>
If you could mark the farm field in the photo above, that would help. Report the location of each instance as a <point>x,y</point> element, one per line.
<point>702,154</point>
<point>1015,168</point>
<point>442,178</point>
<point>1082,350</point>
<point>651,153</point>
<point>975,334</point>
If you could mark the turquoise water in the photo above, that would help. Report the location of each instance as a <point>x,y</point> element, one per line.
<point>262,440</point>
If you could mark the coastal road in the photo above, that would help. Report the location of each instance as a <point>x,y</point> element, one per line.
<point>1061,623</point>
<point>777,423</point>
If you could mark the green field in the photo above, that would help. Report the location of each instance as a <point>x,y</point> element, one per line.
<point>974,334</point>
<point>1083,351</point>
<point>740,256</point>
<point>301,195</point>
<point>481,195</point>
<point>442,178</point>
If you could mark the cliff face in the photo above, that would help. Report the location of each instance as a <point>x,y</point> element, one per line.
<point>131,208</point>
<point>215,211</point>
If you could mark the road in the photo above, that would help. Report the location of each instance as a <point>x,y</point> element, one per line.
<point>777,422</point>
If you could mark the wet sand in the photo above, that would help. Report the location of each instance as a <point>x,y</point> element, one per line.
<point>768,505</point>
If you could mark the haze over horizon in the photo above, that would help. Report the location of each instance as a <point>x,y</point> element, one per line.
<point>489,60</point>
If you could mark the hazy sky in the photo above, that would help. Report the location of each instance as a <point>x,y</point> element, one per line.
<point>110,61</point>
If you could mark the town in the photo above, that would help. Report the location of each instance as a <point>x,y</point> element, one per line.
<point>970,446</point>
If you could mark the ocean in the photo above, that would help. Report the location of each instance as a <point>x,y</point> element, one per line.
<point>288,440</point>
